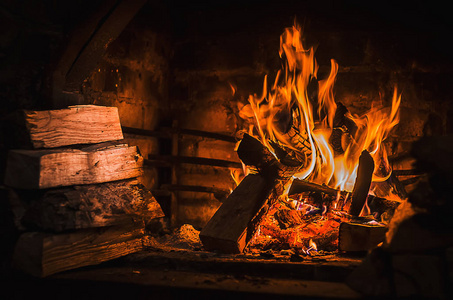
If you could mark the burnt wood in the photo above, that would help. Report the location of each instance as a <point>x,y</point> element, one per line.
<point>379,206</point>
<point>376,204</point>
<point>300,186</point>
<point>39,169</point>
<point>88,206</point>
<point>42,254</point>
<point>362,183</point>
<point>288,218</point>
<point>230,228</point>
<point>253,153</point>
<point>81,124</point>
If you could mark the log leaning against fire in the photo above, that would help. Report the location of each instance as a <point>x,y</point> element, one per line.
<point>362,183</point>
<point>234,224</point>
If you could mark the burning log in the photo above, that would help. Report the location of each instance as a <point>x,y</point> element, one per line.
<point>288,218</point>
<point>377,205</point>
<point>253,153</point>
<point>362,183</point>
<point>234,224</point>
<point>341,125</point>
<point>299,186</point>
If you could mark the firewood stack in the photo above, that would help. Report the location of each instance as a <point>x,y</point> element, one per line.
<point>75,195</point>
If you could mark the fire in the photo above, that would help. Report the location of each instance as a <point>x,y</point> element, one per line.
<point>290,116</point>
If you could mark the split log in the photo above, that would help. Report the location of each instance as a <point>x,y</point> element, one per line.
<point>355,237</point>
<point>232,226</point>
<point>39,169</point>
<point>42,254</point>
<point>81,124</point>
<point>362,184</point>
<point>88,206</point>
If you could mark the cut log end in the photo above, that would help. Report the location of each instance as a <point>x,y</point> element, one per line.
<point>40,169</point>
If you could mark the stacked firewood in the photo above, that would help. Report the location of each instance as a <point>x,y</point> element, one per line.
<point>75,195</point>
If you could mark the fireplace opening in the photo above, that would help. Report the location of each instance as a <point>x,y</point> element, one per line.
<point>235,141</point>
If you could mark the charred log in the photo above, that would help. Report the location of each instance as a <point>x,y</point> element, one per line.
<point>362,183</point>
<point>377,205</point>
<point>288,218</point>
<point>236,221</point>
<point>253,153</point>
<point>342,128</point>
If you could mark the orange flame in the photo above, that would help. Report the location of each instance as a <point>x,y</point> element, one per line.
<point>284,115</point>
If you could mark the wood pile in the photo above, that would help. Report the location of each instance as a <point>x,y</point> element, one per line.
<point>75,197</point>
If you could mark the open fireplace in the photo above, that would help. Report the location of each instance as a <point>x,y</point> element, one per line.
<point>229,149</point>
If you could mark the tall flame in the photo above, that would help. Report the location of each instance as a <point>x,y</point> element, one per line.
<point>286,116</point>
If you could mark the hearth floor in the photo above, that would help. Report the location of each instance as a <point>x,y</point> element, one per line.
<point>176,273</point>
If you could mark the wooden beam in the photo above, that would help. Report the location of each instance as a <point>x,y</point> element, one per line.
<point>39,169</point>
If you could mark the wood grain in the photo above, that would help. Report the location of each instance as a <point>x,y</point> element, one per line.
<point>39,169</point>
<point>228,230</point>
<point>42,254</point>
<point>81,124</point>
